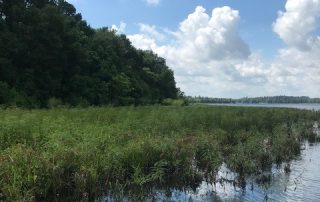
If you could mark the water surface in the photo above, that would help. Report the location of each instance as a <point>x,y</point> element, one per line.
<point>311,106</point>
<point>301,184</point>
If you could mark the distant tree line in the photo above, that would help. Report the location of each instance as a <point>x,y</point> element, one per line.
<point>266,99</point>
<point>50,56</point>
<point>199,99</point>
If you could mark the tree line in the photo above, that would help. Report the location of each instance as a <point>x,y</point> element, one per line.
<point>49,56</point>
<point>255,100</point>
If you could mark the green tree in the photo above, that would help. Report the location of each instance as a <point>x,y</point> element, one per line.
<point>48,52</point>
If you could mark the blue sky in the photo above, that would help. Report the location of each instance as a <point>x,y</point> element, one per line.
<point>255,56</point>
<point>255,26</point>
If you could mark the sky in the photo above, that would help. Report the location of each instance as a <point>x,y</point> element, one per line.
<point>223,48</point>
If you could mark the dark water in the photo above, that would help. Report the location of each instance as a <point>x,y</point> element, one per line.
<point>296,106</point>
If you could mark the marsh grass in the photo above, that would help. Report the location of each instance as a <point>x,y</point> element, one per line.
<point>80,153</point>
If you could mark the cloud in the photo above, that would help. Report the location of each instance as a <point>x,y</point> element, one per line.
<point>152,2</point>
<point>296,71</point>
<point>142,42</point>
<point>203,48</point>
<point>203,37</point>
<point>200,37</point>
<point>210,58</point>
<point>148,37</point>
<point>151,31</point>
<point>296,25</point>
<point>119,29</point>
<point>297,67</point>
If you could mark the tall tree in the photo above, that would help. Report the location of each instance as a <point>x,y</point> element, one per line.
<point>48,52</point>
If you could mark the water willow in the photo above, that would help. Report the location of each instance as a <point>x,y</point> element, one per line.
<point>81,153</point>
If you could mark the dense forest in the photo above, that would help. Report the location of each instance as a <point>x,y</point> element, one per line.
<point>267,99</point>
<point>50,56</point>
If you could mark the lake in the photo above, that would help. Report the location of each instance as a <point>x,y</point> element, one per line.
<point>311,106</point>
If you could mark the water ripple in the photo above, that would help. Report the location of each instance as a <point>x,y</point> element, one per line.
<point>301,184</point>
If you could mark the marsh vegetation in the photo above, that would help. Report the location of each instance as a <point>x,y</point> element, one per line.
<point>130,151</point>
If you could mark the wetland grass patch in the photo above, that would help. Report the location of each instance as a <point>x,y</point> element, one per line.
<point>81,153</point>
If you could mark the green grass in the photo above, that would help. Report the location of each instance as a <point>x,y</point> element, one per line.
<point>81,153</point>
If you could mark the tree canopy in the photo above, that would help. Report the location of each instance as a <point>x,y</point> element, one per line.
<point>49,55</point>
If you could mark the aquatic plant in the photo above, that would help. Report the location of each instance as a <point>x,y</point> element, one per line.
<point>80,153</point>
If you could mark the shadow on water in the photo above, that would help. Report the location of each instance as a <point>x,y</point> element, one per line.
<point>298,180</point>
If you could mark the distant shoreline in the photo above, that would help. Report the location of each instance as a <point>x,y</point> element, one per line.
<point>307,106</point>
<point>257,100</point>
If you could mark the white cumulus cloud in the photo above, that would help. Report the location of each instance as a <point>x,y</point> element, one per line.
<point>210,58</point>
<point>297,67</point>
<point>119,29</point>
<point>296,25</point>
<point>204,48</point>
<point>214,37</point>
<point>142,42</point>
<point>151,31</point>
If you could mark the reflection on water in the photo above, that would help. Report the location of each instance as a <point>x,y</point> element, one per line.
<point>301,184</point>
<point>311,106</point>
